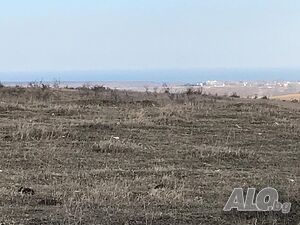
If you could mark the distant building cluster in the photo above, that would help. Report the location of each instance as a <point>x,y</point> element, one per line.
<point>263,84</point>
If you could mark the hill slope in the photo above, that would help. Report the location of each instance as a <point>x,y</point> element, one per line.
<point>289,97</point>
<point>108,157</point>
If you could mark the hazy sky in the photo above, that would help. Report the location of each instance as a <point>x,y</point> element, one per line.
<point>56,35</point>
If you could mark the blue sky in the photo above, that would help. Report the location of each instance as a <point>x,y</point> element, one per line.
<point>64,35</point>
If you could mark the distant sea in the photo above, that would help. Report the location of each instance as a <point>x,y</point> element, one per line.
<point>158,76</point>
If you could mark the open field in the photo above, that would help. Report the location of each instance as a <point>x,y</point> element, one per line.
<point>110,157</point>
<point>289,97</point>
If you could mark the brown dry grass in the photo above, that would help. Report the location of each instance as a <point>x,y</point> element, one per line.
<point>96,156</point>
<point>289,97</point>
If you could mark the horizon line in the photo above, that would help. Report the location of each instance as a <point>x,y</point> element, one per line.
<point>147,69</point>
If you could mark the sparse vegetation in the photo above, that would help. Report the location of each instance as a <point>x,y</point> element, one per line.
<point>234,95</point>
<point>98,156</point>
<point>192,91</point>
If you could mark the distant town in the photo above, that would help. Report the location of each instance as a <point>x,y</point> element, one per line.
<point>249,88</point>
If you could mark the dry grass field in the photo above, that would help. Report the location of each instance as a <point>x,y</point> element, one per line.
<point>97,156</point>
<point>289,97</point>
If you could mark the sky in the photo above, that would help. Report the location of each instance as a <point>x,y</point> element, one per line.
<point>92,35</point>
